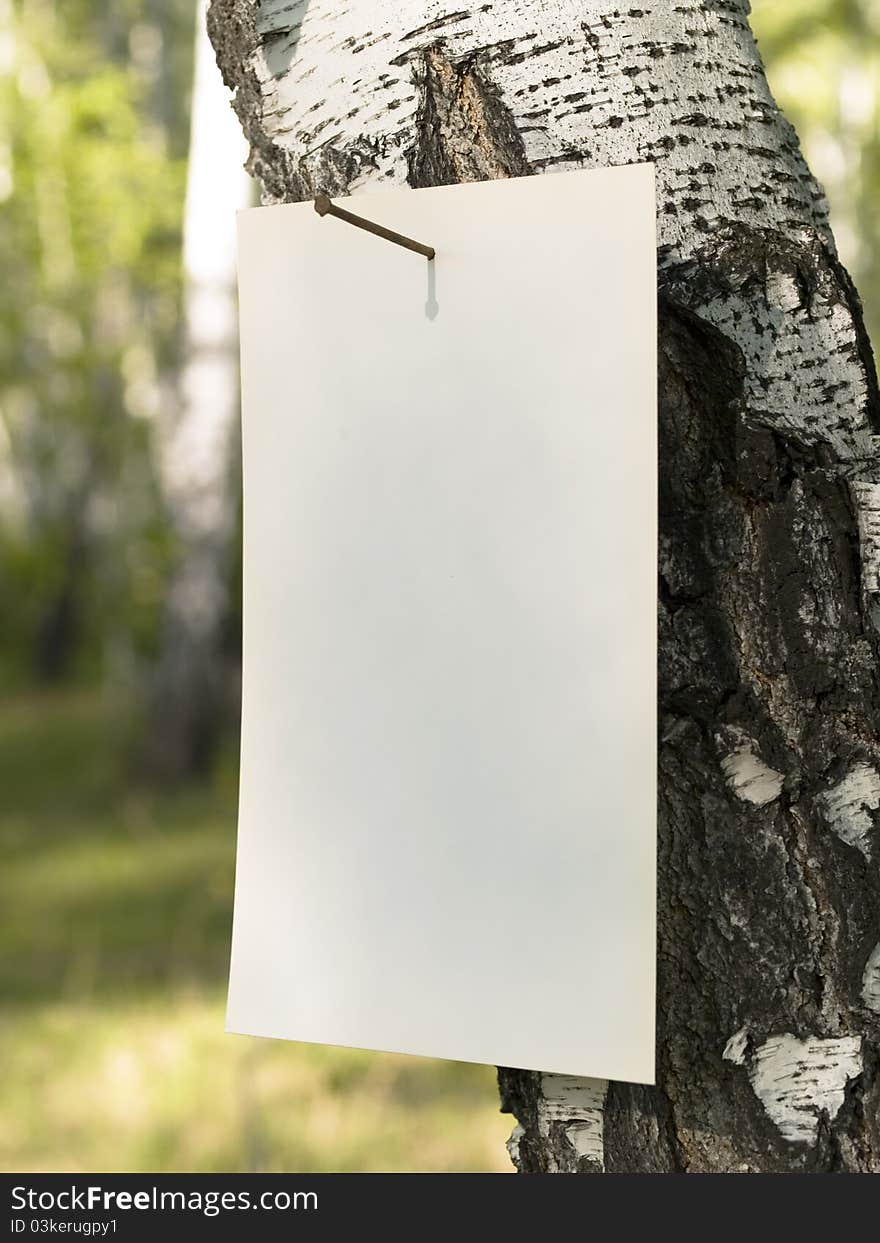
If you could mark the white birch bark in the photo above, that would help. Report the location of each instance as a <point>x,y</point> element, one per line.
<point>769,912</point>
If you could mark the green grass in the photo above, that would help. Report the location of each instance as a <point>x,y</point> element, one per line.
<point>115,912</point>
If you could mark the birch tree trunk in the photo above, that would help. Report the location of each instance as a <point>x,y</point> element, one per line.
<point>769,589</point>
<point>196,446</point>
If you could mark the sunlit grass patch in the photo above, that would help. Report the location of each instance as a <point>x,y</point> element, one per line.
<point>115,916</point>
<point>157,1085</point>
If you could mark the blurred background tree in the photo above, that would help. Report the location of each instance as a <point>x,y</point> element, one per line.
<point>115,896</point>
<point>198,462</point>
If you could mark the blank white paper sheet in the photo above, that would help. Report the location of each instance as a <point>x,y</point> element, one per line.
<point>447,822</point>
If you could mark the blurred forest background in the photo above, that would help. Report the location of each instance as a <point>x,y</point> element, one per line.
<point>120,171</point>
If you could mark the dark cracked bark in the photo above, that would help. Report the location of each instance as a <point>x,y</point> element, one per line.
<point>769,587</point>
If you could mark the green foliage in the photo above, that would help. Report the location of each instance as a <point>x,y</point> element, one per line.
<point>823,62</point>
<point>89,310</point>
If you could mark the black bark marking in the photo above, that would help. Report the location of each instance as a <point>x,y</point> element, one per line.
<point>464,131</point>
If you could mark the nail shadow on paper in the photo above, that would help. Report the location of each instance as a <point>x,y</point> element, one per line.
<point>432,306</point>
